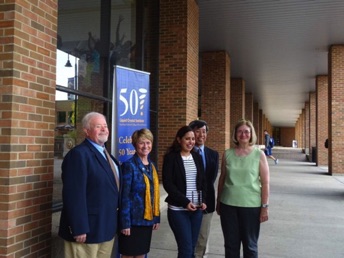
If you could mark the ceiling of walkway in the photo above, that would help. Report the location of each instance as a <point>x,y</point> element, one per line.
<point>276,47</point>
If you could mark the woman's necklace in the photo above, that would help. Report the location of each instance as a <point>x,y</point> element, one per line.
<point>147,168</point>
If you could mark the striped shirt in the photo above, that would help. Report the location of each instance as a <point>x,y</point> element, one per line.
<point>191,175</point>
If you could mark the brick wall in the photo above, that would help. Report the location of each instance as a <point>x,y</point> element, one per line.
<point>237,101</point>
<point>215,98</point>
<point>335,112</point>
<point>261,127</point>
<point>27,121</point>
<point>256,120</point>
<point>303,129</point>
<point>287,135</point>
<point>249,106</point>
<point>322,118</point>
<point>306,130</point>
<point>265,126</point>
<point>178,69</point>
<point>312,125</point>
<point>297,131</point>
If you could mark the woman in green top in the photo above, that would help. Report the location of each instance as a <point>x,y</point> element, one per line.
<point>243,192</point>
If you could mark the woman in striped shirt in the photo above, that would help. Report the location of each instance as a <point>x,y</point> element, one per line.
<point>184,181</point>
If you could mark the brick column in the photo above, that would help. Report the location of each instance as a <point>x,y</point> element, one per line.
<point>178,78</point>
<point>237,103</point>
<point>303,129</point>
<point>265,126</point>
<point>261,127</point>
<point>300,130</point>
<point>297,131</point>
<point>312,125</point>
<point>215,98</point>
<point>322,119</point>
<point>306,132</point>
<point>249,107</point>
<point>256,120</point>
<point>27,107</point>
<point>335,112</point>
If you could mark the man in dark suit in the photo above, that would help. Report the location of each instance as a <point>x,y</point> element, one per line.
<point>88,222</point>
<point>211,165</point>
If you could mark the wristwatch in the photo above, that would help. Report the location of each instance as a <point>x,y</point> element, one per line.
<point>265,205</point>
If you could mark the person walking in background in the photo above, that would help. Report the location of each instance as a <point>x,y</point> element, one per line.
<point>90,194</point>
<point>243,192</point>
<point>268,148</point>
<point>140,207</point>
<point>184,181</point>
<point>211,164</point>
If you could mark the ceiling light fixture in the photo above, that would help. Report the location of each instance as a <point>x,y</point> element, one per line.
<point>68,64</point>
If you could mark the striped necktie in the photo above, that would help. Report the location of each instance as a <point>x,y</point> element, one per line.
<point>114,170</point>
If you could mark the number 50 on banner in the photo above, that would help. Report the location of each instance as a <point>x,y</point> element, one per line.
<point>130,109</point>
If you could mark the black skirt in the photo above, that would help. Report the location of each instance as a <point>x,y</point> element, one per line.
<point>138,243</point>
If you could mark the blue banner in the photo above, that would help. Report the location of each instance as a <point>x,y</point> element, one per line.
<point>130,109</point>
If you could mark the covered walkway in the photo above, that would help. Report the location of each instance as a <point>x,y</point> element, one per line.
<point>306,215</point>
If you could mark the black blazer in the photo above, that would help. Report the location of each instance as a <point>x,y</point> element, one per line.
<point>211,171</point>
<point>174,179</point>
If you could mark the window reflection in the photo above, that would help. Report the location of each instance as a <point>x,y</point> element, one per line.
<point>93,36</point>
<point>68,131</point>
<point>123,44</point>
<point>66,75</point>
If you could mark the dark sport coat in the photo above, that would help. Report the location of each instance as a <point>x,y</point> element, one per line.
<point>211,171</point>
<point>90,195</point>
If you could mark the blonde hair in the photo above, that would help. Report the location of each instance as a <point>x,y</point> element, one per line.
<point>253,138</point>
<point>142,133</point>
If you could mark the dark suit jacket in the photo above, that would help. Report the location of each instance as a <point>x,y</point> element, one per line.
<point>211,171</point>
<point>90,195</point>
<point>174,178</point>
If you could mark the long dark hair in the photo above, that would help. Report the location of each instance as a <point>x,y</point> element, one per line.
<point>175,146</point>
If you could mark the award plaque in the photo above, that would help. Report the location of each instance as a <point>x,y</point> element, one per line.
<point>197,199</point>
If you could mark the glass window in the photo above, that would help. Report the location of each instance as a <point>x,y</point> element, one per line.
<point>123,35</point>
<point>79,46</point>
<point>61,117</point>
<point>69,133</point>
<point>93,36</point>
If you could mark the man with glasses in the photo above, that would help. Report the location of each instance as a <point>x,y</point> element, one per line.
<point>211,165</point>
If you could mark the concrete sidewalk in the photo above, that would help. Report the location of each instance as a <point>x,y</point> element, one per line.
<point>306,215</point>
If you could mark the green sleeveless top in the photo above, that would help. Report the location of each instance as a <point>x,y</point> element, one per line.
<point>242,187</point>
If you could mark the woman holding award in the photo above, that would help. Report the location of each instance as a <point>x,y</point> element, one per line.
<point>184,181</point>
